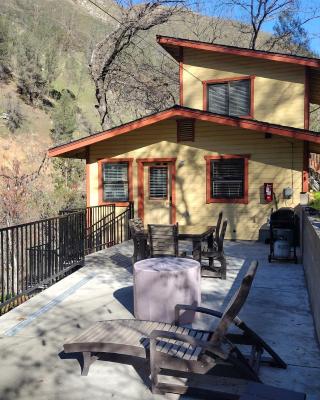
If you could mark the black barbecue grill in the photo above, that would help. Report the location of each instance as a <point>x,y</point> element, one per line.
<point>283,227</point>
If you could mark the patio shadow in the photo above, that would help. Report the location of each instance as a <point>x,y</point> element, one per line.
<point>125,297</point>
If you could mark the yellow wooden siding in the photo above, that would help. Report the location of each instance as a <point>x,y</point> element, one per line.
<point>278,87</point>
<point>271,160</point>
<point>314,76</point>
<point>314,148</point>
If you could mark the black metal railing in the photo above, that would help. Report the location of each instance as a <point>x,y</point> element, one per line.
<point>37,254</point>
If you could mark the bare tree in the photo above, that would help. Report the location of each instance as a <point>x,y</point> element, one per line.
<point>202,27</point>
<point>16,190</point>
<point>105,57</point>
<point>140,82</point>
<point>254,14</point>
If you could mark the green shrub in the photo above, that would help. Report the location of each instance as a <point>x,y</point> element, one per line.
<point>315,202</point>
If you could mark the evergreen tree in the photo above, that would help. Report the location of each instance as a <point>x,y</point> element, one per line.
<point>4,48</point>
<point>290,35</point>
<point>64,118</point>
<point>31,83</point>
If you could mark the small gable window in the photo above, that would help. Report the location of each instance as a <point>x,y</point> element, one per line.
<point>185,130</point>
<point>115,181</point>
<point>230,97</point>
<point>227,179</point>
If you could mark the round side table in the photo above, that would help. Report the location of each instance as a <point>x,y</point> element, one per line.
<point>161,283</point>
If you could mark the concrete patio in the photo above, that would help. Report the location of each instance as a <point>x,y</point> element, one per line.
<point>31,336</point>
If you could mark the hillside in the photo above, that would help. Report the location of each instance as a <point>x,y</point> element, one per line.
<point>48,95</point>
<point>74,26</point>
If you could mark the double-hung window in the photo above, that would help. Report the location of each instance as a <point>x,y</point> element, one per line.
<point>115,181</point>
<point>230,98</point>
<point>227,179</point>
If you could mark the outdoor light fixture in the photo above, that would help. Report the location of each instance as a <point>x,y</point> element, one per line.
<point>287,193</point>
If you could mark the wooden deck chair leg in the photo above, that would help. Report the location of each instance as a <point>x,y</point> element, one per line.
<point>223,266</point>
<point>88,359</point>
<point>255,358</point>
<point>220,272</point>
<point>257,341</point>
<point>241,363</point>
<point>154,368</point>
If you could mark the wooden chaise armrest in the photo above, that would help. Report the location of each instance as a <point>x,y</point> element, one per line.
<point>202,310</point>
<point>158,334</point>
<point>179,307</point>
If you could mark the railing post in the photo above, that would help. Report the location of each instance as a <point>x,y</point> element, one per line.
<point>49,248</point>
<point>114,241</point>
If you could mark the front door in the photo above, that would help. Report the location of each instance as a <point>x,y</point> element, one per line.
<point>157,197</point>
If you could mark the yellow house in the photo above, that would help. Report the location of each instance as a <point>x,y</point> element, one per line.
<point>238,142</point>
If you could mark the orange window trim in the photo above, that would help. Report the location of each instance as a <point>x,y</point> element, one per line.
<point>88,176</point>
<point>209,199</point>
<point>100,180</point>
<point>227,80</point>
<point>305,172</point>
<point>306,98</point>
<point>181,76</point>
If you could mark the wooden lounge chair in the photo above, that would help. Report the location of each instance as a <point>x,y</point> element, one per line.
<point>177,348</point>
<point>216,253</point>
<point>140,243</point>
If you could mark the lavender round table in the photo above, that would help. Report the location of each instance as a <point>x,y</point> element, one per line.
<point>161,283</point>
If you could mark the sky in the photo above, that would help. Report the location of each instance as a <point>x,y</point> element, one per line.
<point>307,6</point>
<point>312,27</point>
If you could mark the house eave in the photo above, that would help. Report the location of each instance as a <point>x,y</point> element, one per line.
<point>172,45</point>
<point>77,148</point>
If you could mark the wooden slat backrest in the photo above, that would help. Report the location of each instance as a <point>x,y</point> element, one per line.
<point>221,235</point>
<point>235,305</point>
<point>136,225</point>
<point>139,239</point>
<point>218,225</point>
<point>163,240</point>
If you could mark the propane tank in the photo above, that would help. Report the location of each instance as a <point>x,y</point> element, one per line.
<point>281,248</point>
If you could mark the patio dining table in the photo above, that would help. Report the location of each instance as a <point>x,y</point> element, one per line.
<point>197,233</point>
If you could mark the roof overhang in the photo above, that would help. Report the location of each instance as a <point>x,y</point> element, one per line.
<point>170,44</point>
<point>174,45</point>
<point>78,148</point>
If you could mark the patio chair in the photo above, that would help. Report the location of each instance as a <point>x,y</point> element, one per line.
<point>179,349</point>
<point>217,230</point>
<point>216,253</point>
<point>163,240</point>
<point>140,243</point>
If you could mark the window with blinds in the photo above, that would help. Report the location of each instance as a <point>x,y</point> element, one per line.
<point>230,98</point>
<point>115,182</point>
<point>158,182</point>
<point>227,178</point>
<point>185,130</point>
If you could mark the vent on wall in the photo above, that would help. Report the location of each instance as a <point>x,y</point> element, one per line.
<point>185,130</point>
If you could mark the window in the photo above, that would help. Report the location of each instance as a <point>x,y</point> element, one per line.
<point>230,98</point>
<point>227,179</point>
<point>185,130</point>
<point>158,182</point>
<point>115,180</point>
